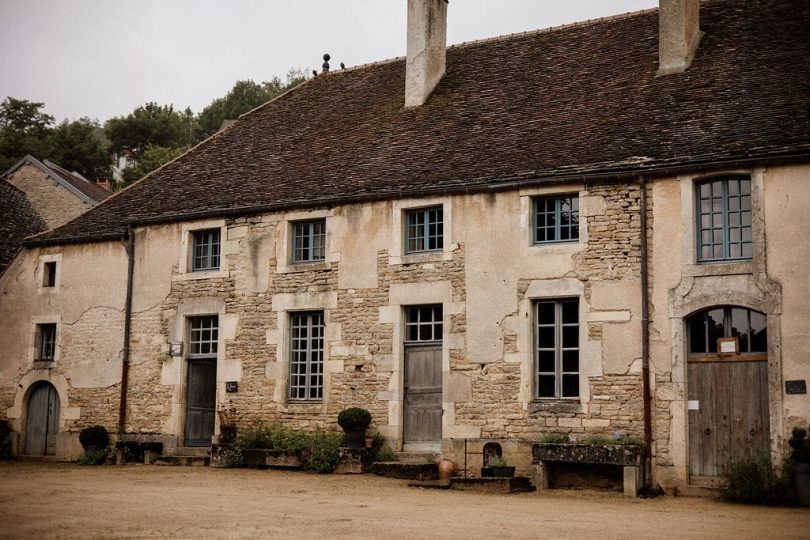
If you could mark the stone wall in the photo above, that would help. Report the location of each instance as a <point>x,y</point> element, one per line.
<point>54,202</point>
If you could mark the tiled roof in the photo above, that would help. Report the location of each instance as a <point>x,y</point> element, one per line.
<point>575,101</point>
<point>81,183</point>
<point>18,219</point>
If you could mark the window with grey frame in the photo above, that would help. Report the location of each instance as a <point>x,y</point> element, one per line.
<point>557,348</point>
<point>724,219</point>
<point>309,241</point>
<point>203,339</point>
<point>205,250</point>
<point>45,342</point>
<point>556,219</point>
<point>306,356</point>
<point>423,324</point>
<point>424,229</point>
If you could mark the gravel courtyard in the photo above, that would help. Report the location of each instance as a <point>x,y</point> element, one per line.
<point>65,500</point>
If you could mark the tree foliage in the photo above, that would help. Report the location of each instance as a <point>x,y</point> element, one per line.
<point>24,129</point>
<point>76,147</point>
<point>151,158</point>
<point>150,125</point>
<point>243,97</point>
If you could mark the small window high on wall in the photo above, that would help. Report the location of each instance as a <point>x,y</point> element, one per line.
<point>706,329</point>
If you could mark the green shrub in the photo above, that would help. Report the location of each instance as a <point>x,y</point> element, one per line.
<point>94,437</point>
<point>629,440</point>
<point>377,444</point>
<point>232,457</point>
<point>755,481</point>
<point>321,454</point>
<point>598,440</point>
<point>354,417</point>
<point>386,454</point>
<point>554,438</point>
<point>94,456</point>
<point>799,446</point>
<point>497,461</point>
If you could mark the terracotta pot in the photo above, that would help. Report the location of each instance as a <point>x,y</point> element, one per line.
<point>447,469</point>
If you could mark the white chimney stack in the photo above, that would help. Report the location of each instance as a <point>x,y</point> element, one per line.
<point>427,41</point>
<point>679,34</point>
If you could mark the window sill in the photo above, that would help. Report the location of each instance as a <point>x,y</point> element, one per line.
<point>43,364</point>
<point>298,267</point>
<point>556,405</point>
<point>304,407</point>
<point>557,247</point>
<point>422,257</point>
<point>201,274</point>
<point>720,268</point>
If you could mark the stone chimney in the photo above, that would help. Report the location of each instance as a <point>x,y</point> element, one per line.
<point>678,34</point>
<point>104,183</point>
<point>427,42</point>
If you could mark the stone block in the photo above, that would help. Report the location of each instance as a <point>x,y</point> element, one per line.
<point>632,481</point>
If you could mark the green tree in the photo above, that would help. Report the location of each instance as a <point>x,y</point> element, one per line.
<point>150,125</point>
<point>243,97</point>
<point>151,158</point>
<point>76,147</point>
<point>24,129</point>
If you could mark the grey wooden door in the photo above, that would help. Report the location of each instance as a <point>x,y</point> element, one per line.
<point>201,402</point>
<point>730,422</point>
<point>423,394</point>
<point>42,421</point>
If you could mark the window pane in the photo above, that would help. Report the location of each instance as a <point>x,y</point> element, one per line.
<point>570,312</point>
<point>716,328</point>
<point>545,313</point>
<point>546,362</point>
<point>570,385</point>
<point>545,337</point>
<point>570,336</point>
<point>570,361</point>
<point>759,332</point>
<point>697,333</point>
<point>545,386</point>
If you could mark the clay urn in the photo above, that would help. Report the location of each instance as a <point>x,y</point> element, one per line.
<point>447,469</point>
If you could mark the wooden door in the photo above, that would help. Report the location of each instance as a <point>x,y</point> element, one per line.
<point>201,402</point>
<point>42,421</point>
<point>728,414</point>
<point>423,394</point>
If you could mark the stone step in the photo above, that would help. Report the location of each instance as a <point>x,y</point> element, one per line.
<point>406,471</point>
<point>418,457</point>
<point>518,484</point>
<point>187,451</point>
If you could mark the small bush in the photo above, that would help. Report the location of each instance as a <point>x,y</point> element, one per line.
<point>94,437</point>
<point>321,454</point>
<point>629,440</point>
<point>386,454</point>
<point>755,481</point>
<point>377,444</point>
<point>354,417</point>
<point>94,456</point>
<point>497,461</point>
<point>598,440</point>
<point>554,438</point>
<point>233,457</point>
<point>799,446</point>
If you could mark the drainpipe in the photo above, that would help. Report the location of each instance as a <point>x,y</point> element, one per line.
<point>122,410</point>
<point>645,334</point>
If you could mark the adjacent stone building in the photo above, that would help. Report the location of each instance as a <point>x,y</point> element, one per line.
<point>581,230</point>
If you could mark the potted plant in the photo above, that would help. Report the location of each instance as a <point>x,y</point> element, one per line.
<point>800,456</point>
<point>354,422</point>
<point>497,468</point>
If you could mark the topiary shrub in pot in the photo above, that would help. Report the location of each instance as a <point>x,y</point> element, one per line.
<point>94,438</point>
<point>800,458</point>
<point>354,422</point>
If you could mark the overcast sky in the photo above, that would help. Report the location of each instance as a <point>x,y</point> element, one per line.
<point>101,58</point>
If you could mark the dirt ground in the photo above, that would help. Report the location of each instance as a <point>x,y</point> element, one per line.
<point>65,500</point>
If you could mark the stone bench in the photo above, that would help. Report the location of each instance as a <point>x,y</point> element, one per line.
<point>150,445</point>
<point>628,456</point>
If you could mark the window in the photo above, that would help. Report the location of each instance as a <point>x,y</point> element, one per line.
<point>748,326</point>
<point>423,323</point>
<point>724,219</point>
<point>49,274</point>
<point>557,342</point>
<point>45,342</point>
<point>306,356</point>
<point>203,341</point>
<point>309,241</point>
<point>424,230</point>
<point>556,219</point>
<point>205,255</point>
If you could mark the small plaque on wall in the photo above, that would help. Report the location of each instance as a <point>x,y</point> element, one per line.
<point>728,346</point>
<point>176,348</point>
<point>231,387</point>
<point>796,387</point>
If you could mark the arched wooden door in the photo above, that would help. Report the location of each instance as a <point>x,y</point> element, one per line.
<point>727,389</point>
<point>42,421</point>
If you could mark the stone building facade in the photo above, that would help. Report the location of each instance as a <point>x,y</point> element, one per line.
<point>504,298</point>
